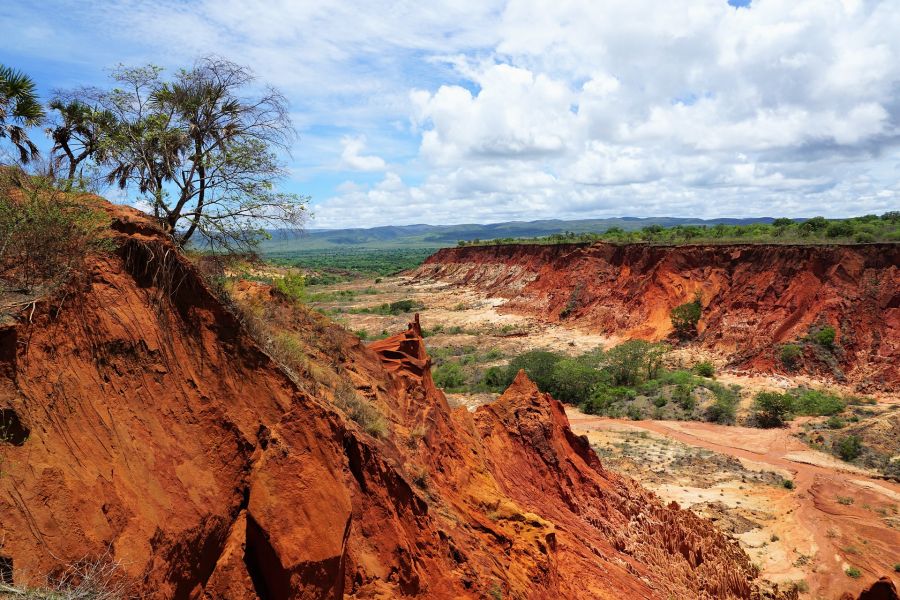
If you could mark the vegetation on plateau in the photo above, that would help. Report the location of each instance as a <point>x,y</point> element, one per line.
<point>817,230</point>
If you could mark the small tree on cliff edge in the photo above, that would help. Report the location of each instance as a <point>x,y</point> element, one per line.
<point>201,148</point>
<point>685,317</point>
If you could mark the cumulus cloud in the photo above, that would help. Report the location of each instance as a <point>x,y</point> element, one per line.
<point>486,111</point>
<point>353,159</point>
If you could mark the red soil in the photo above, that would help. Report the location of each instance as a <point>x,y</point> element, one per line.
<point>755,297</point>
<point>160,435</point>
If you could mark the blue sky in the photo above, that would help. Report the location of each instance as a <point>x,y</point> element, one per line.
<point>486,111</point>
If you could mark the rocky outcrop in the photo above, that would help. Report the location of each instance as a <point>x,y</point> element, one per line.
<point>755,297</point>
<point>162,437</point>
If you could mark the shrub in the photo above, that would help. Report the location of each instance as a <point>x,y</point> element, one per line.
<point>815,403</point>
<point>606,399</point>
<point>704,369</point>
<point>724,409</point>
<point>771,409</point>
<point>538,365</point>
<point>824,336</point>
<point>449,376</point>
<point>787,484</point>
<point>790,355</point>
<point>573,380</point>
<point>685,317</point>
<point>46,235</point>
<point>632,361</point>
<point>839,229</point>
<point>849,447</point>
<point>634,413</point>
<point>853,572</point>
<point>896,567</point>
<point>835,423</point>
<point>683,396</point>
<point>494,379</point>
<point>403,306</point>
<point>292,286</point>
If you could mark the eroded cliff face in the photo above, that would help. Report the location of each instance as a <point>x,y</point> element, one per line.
<point>153,431</point>
<point>755,297</point>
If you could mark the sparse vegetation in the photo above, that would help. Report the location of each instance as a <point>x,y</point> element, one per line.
<point>849,447</point>
<point>853,572</point>
<point>817,230</point>
<point>771,409</point>
<point>790,355</point>
<point>705,369</point>
<point>360,410</point>
<point>45,234</point>
<point>787,484</point>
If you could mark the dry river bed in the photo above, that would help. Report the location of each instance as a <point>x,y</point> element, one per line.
<point>836,518</point>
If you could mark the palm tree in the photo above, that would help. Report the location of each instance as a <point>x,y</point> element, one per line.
<point>19,108</point>
<point>78,133</point>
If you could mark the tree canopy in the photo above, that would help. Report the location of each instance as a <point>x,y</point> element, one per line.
<point>201,147</point>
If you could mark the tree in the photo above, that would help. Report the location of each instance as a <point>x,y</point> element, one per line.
<point>685,317</point>
<point>631,361</point>
<point>771,409</point>
<point>77,133</point>
<point>19,108</point>
<point>201,152</point>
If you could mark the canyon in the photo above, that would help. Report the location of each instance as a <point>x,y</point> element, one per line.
<point>154,432</point>
<point>755,297</point>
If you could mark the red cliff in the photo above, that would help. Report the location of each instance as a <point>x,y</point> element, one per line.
<point>153,433</point>
<point>755,298</point>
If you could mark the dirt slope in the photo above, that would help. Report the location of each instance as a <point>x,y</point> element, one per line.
<point>152,430</point>
<point>755,297</point>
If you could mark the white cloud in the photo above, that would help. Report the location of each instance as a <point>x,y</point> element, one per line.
<point>353,159</point>
<point>484,111</point>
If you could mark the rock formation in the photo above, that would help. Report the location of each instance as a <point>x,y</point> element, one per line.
<point>155,433</point>
<point>755,297</point>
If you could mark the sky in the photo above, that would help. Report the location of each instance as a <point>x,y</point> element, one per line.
<point>479,111</point>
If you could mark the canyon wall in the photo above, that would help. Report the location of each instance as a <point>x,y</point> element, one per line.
<point>146,429</point>
<point>755,297</point>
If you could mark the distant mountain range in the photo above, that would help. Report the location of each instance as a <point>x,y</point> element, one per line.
<point>439,236</point>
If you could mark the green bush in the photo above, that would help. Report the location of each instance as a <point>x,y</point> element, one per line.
<point>724,409</point>
<point>573,380</point>
<point>538,365</point>
<point>815,403</point>
<point>849,447</point>
<point>771,409</point>
<point>494,379</point>
<point>449,376</point>
<point>685,317</point>
<point>607,400</point>
<point>824,336</point>
<point>292,286</point>
<point>853,572</point>
<point>790,355</point>
<point>45,235</point>
<point>683,396</point>
<point>704,369</point>
<point>633,361</point>
<point>835,423</point>
<point>787,484</point>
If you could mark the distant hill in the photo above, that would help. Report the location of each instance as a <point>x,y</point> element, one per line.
<point>438,236</point>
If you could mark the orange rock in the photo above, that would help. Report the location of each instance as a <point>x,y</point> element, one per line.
<point>755,297</point>
<point>161,435</point>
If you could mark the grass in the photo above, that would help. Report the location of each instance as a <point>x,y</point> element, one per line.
<point>845,500</point>
<point>360,410</point>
